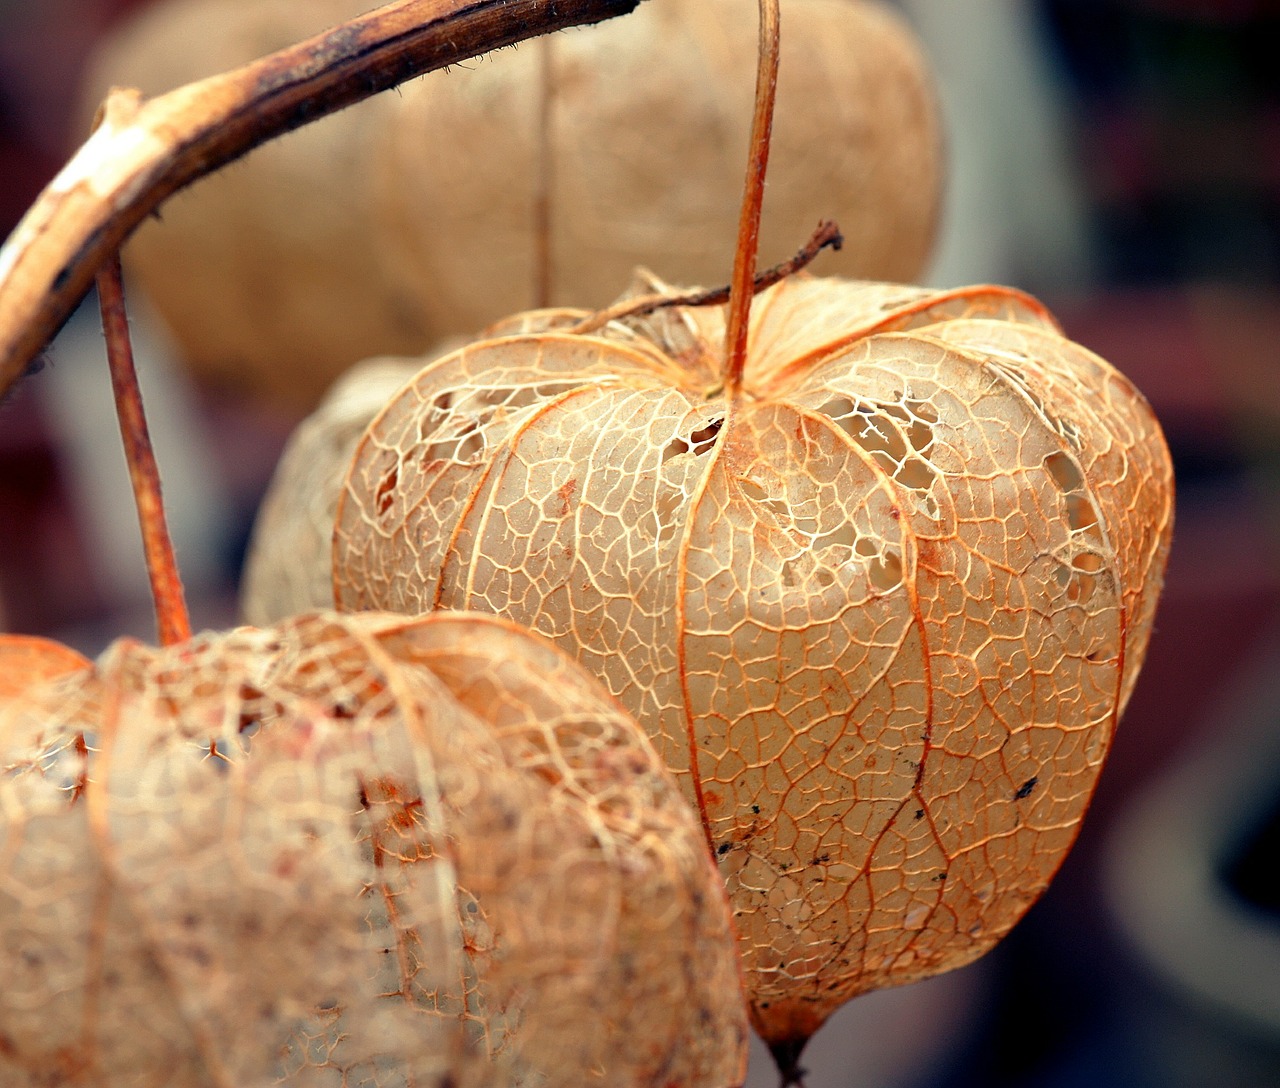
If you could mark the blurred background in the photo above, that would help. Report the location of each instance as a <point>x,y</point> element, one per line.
<point>1121,160</point>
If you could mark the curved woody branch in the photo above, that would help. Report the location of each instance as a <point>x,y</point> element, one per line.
<point>143,151</point>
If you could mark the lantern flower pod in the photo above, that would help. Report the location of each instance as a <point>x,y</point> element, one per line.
<point>879,610</point>
<point>288,565</point>
<point>352,850</point>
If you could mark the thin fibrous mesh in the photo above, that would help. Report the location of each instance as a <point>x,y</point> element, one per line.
<point>287,567</point>
<point>879,612</point>
<point>352,851</point>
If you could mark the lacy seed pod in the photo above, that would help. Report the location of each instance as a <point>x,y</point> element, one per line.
<point>880,609</point>
<point>352,850</point>
<point>288,566</point>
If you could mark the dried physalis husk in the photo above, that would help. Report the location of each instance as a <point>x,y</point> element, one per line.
<point>352,850</point>
<point>264,275</point>
<point>649,116</point>
<point>880,612</point>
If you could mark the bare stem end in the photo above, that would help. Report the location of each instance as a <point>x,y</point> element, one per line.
<point>786,1056</point>
<point>825,236</point>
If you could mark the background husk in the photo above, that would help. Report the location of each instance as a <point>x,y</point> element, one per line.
<point>649,124</point>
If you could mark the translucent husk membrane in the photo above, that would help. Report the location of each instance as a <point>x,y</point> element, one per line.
<point>26,660</point>
<point>880,613</point>
<point>352,851</point>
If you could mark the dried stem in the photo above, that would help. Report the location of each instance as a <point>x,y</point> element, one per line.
<point>542,210</point>
<point>172,622</point>
<point>744,260</point>
<point>826,235</point>
<point>786,1056</point>
<point>145,151</point>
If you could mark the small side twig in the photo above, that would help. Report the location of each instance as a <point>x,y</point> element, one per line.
<point>142,152</point>
<point>172,622</point>
<point>827,235</point>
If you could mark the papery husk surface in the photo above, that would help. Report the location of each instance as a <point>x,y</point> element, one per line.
<point>352,850</point>
<point>648,125</point>
<point>880,611</point>
<point>288,564</point>
<point>288,567</point>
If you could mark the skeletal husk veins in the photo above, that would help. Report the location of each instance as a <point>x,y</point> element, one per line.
<point>879,612</point>
<point>288,567</point>
<point>352,850</point>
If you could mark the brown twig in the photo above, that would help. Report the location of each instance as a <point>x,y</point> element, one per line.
<point>744,260</point>
<point>172,622</point>
<point>826,235</point>
<point>786,1056</point>
<point>142,152</point>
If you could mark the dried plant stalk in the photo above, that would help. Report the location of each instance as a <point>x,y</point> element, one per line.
<point>880,613</point>
<point>172,620</point>
<point>353,850</point>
